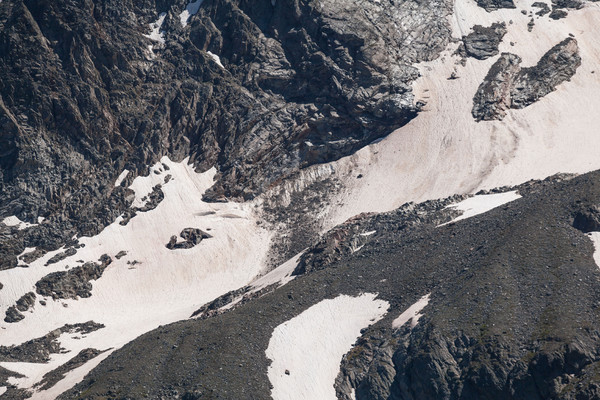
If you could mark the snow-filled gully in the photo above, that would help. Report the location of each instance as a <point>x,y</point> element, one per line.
<point>149,286</point>
<point>323,332</point>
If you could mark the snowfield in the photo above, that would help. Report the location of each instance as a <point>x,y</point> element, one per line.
<point>481,204</point>
<point>412,313</point>
<point>151,285</point>
<point>307,350</point>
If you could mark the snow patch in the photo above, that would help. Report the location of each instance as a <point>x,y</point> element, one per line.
<point>482,203</point>
<point>121,177</point>
<point>216,59</point>
<point>412,313</point>
<point>2,388</point>
<point>368,233</point>
<point>15,221</point>
<point>322,333</point>
<point>595,236</point>
<point>191,9</point>
<point>155,33</point>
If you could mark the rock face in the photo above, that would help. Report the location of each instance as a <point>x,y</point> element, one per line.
<point>83,95</point>
<point>507,85</point>
<point>73,283</point>
<point>483,42</point>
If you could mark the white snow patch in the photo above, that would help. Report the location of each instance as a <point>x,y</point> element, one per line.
<point>311,345</point>
<point>368,233</point>
<point>155,33</point>
<point>122,176</point>
<point>2,388</point>
<point>482,203</point>
<point>164,286</point>
<point>281,274</point>
<point>216,59</point>
<point>595,236</point>
<point>15,221</point>
<point>191,9</point>
<point>412,313</point>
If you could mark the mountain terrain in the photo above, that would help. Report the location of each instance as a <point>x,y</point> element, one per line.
<point>299,199</point>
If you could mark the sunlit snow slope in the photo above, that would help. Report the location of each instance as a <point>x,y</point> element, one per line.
<point>149,286</point>
<point>444,151</point>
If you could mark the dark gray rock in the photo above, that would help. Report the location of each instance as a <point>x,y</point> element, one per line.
<point>483,42</point>
<point>191,237</point>
<point>61,256</point>
<point>13,315</point>
<point>493,5</point>
<point>73,283</point>
<point>544,9</point>
<point>587,219</point>
<point>26,302</point>
<point>507,85</point>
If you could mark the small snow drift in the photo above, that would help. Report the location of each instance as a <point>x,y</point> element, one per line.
<point>158,36</point>
<point>191,9</point>
<point>412,313</point>
<point>121,177</point>
<point>216,59</point>
<point>480,204</point>
<point>595,236</point>
<point>324,332</point>
<point>15,221</point>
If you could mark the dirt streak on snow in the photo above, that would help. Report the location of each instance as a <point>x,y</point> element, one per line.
<point>412,313</point>
<point>164,286</point>
<point>595,237</point>
<point>311,345</point>
<point>444,151</point>
<point>481,204</point>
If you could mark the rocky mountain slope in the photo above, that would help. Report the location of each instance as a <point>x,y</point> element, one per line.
<point>199,199</point>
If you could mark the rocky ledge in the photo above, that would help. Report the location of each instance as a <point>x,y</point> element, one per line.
<point>507,85</point>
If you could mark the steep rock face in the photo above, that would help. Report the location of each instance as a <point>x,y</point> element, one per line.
<point>507,85</point>
<point>83,96</point>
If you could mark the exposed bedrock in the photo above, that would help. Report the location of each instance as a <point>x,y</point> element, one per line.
<point>507,85</point>
<point>82,97</point>
<point>483,42</point>
<point>73,283</point>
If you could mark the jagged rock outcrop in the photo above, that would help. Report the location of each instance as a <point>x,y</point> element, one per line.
<point>587,219</point>
<point>493,5</point>
<point>73,283</point>
<point>14,313</point>
<point>483,42</point>
<point>190,236</point>
<point>507,85</point>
